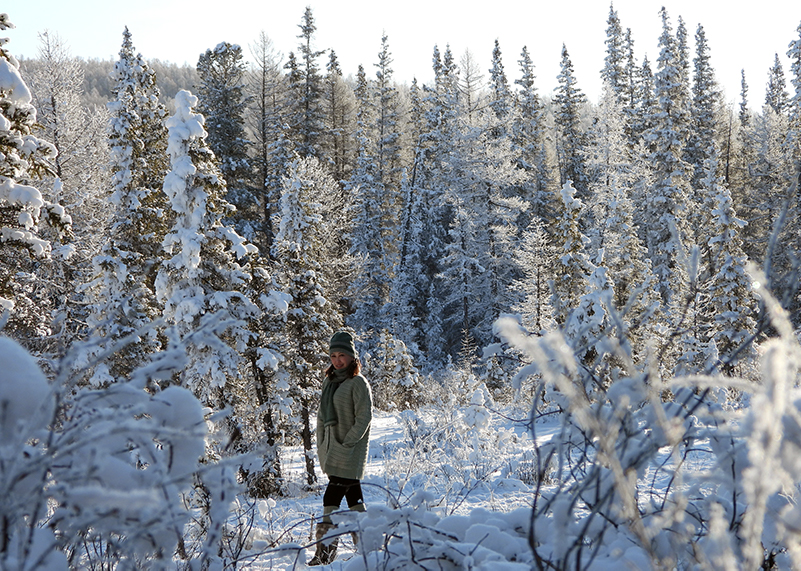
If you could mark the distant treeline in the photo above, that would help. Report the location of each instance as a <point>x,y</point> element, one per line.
<point>97,82</point>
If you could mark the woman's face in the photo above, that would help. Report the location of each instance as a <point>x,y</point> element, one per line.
<point>340,360</point>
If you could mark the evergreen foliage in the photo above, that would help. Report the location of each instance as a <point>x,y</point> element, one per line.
<point>122,286</point>
<point>223,102</point>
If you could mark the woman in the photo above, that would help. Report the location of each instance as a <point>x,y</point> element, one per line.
<point>343,435</point>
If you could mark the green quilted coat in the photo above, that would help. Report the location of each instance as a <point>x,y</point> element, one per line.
<point>342,447</point>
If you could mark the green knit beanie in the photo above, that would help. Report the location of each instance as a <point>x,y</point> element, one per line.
<point>342,342</point>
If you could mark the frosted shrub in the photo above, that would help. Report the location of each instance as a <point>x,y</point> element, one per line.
<point>94,478</point>
<point>639,482</point>
<point>393,376</point>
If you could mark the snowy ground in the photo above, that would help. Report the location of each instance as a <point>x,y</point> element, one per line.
<point>461,470</point>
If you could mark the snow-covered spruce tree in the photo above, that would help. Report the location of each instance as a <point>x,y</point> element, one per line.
<point>621,72</point>
<point>771,196</point>
<point>377,176</point>
<point>364,187</point>
<point>568,104</point>
<point>121,291</point>
<point>206,271</point>
<point>615,170</point>
<point>794,104</point>
<point>478,266</point>
<point>405,307</point>
<point>666,202</point>
<point>392,373</point>
<point>427,219</point>
<point>732,302</point>
<point>265,404</point>
<point>501,100</point>
<point>739,164</point>
<point>24,158</point>
<point>646,104</point>
<point>223,102</point>
<point>307,121</point>
<point>528,144</point>
<point>613,71</point>
<point>793,150</point>
<point>302,248</point>
<point>776,96</point>
<point>573,266</point>
<point>79,179</point>
<point>704,114</point>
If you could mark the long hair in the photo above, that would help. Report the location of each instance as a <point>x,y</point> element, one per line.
<point>353,369</point>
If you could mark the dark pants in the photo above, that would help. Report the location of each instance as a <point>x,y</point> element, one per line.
<point>339,488</point>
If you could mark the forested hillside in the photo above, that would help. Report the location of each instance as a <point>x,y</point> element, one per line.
<point>208,229</point>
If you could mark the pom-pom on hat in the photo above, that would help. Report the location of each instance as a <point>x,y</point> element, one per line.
<point>342,342</point>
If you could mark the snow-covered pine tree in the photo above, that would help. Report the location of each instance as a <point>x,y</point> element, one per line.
<point>389,168</point>
<point>406,306</point>
<point>391,370</point>
<point>429,214</point>
<point>223,101</point>
<point>478,267</point>
<point>613,71</point>
<point>484,210</point>
<point>501,100</point>
<point>645,103</point>
<point>731,297</point>
<point>794,104</point>
<point>365,188</point>
<point>568,103</point>
<point>770,196</point>
<point>739,167</point>
<point>205,275</point>
<point>24,158</point>
<point>377,177</point>
<point>536,260</point>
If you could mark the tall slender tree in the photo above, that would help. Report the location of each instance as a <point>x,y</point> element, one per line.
<point>568,103</point>
<point>529,145</point>
<point>264,120</point>
<point>223,102</point>
<point>776,96</point>
<point>666,203</point>
<point>306,81</point>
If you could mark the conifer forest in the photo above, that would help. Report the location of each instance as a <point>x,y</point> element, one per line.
<point>579,319</point>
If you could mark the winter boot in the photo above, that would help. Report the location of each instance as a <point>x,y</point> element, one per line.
<point>326,550</point>
<point>353,534</point>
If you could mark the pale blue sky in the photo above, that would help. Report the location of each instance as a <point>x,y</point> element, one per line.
<point>179,31</point>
